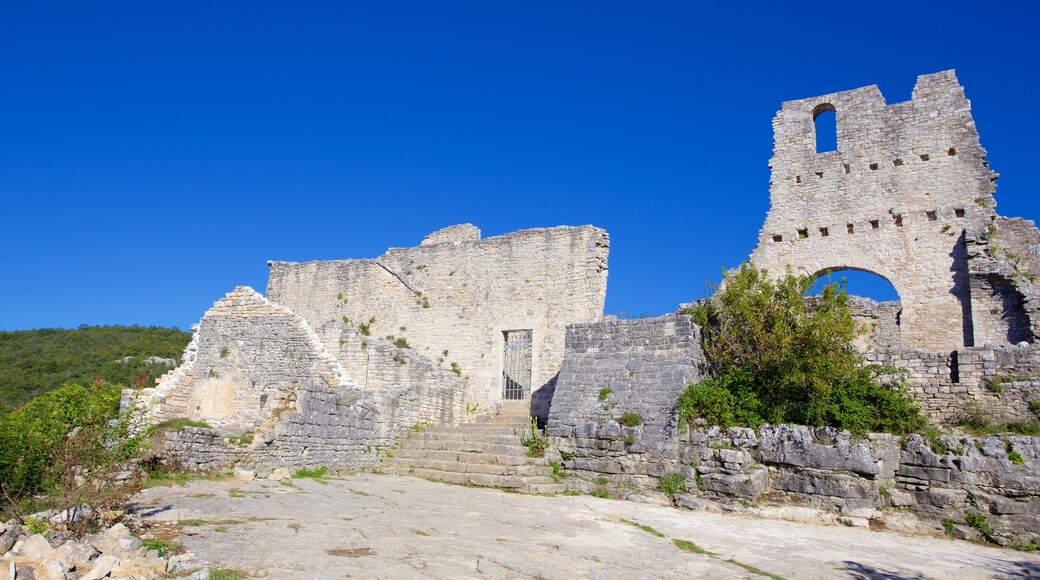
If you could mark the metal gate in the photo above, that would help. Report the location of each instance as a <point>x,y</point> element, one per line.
<point>516,367</point>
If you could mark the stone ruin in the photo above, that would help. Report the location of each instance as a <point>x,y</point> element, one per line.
<point>341,357</point>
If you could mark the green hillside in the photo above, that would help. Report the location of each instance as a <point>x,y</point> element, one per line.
<point>33,362</point>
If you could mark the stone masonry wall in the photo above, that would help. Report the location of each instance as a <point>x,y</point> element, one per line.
<point>1001,382</point>
<point>996,477</point>
<point>256,369</point>
<point>906,182</point>
<point>1005,282</point>
<point>616,366</point>
<point>454,296</point>
<point>880,322</point>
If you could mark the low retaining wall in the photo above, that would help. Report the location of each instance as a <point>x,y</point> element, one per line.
<point>997,478</point>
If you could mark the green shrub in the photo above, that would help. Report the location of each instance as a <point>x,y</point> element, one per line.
<point>672,484</point>
<point>47,445</point>
<point>779,357</point>
<point>630,419</point>
<point>401,342</point>
<point>604,393</point>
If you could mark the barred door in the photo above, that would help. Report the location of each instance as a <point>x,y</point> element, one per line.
<point>516,367</point>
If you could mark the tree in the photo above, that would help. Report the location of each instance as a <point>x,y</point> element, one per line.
<point>780,357</point>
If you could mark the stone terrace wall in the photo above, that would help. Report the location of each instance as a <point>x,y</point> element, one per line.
<point>645,364</point>
<point>906,182</point>
<point>458,293</point>
<point>257,369</point>
<point>1000,381</point>
<point>831,470</point>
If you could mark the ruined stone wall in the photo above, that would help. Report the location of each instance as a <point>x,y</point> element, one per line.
<point>1001,382</point>
<point>880,322</point>
<point>1005,282</point>
<point>906,182</point>
<point>256,369</point>
<point>616,366</point>
<point>996,477</point>
<point>454,296</point>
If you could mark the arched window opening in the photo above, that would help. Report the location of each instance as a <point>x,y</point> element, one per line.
<point>825,119</point>
<point>875,305</point>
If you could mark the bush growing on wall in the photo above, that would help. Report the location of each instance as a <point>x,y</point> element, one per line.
<point>779,357</point>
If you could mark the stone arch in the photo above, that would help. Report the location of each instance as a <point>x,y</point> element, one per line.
<point>880,320</point>
<point>825,127</point>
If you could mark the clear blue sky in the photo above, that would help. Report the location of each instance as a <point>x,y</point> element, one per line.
<point>155,155</point>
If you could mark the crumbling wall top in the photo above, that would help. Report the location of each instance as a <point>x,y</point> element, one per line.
<point>452,234</point>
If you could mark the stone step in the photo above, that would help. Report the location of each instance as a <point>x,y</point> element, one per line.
<point>514,408</point>
<point>458,467</point>
<point>520,458</point>
<point>502,439</point>
<point>477,479</point>
<point>465,445</point>
<point>521,422</point>
<point>544,488</point>
<point>480,429</point>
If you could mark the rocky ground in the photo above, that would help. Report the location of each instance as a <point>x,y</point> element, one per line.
<point>379,526</point>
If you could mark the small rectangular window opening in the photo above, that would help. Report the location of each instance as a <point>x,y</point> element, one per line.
<point>874,224</point>
<point>897,219</point>
<point>958,212</point>
<point>925,157</point>
<point>802,234</point>
<point>951,151</point>
<point>819,174</point>
<point>873,166</point>
<point>778,238</point>
<point>797,178</point>
<point>824,233</point>
<point>847,168</point>
<point>851,228</point>
<point>897,162</point>
<point>931,215</point>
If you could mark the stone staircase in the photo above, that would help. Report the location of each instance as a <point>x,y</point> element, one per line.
<point>485,453</point>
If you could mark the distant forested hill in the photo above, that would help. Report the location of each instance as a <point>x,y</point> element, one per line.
<point>35,361</point>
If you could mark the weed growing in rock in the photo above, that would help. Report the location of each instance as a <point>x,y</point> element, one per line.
<point>536,444</point>
<point>754,570</point>
<point>164,548</point>
<point>688,546</point>
<point>227,574</point>
<point>604,393</point>
<point>672,484</point>
<point>317,473</point>
<point>630,419</point>
<point>978,521</point>
<point>1016,458</point>
<point>645,528</point>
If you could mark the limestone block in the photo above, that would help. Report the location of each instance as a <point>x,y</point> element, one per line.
<point>824,483</point>
<point>751,484</point>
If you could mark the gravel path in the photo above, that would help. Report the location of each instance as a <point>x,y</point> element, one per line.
<point>377,526</point>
